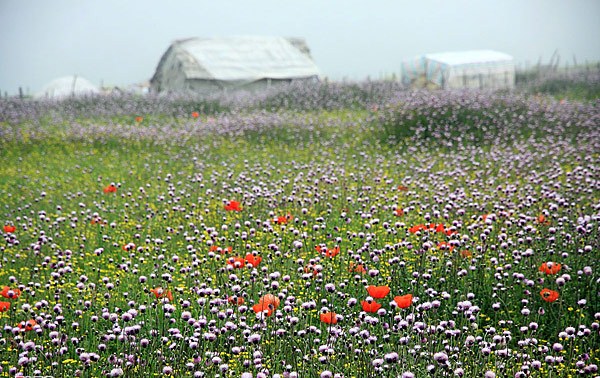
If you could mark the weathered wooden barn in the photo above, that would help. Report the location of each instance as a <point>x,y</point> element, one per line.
<point>207,65</point>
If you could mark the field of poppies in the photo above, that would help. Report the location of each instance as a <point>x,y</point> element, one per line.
<point>331,230</point>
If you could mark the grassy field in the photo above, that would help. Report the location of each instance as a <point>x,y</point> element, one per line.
<point>331,231</point>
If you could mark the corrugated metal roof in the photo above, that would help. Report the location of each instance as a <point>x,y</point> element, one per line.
<point>244,58</point>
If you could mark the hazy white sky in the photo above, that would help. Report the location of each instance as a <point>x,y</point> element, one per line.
<point>120,42</point>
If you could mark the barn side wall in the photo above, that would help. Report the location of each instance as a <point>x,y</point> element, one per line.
<point>169,75</point>
<point>481,76</point>
<point>215,86</point>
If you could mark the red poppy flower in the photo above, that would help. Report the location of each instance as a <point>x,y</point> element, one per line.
<point>9,228</point>
<point>416,228</point>
<point>128,247</point>
<point>270,299</point>
<point>541,219</point>
<point>445,245</point>
<point>549,295</point>
<point>311,269</point>
<point>484,217</point>
<point>253,260</point>
<point>9,293</point>
<point>370,306</point>
<point>214,248</point>
<point>110,189</point>
<point>449,232</point>
<point>261,307</point>
<point>139,119</point>
<point>159,292</point>
<point>357,268</point>
<point>466,254</point>
<point>283,219</point>
<point>550,267</point>
<point>4,306</point>
<point>399,212</point>
<point>236,300</point>
<point>328,252</point>
<point>402,188</point>
<point>195,114</point>
<point>329,317</point>
<point>28,325</point>
<point>268,303</point>
<point>403,301</point>
<point>378,292</point>
<point>233,206</point>
<point>236,262</point>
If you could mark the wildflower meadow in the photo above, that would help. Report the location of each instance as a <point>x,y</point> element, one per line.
<point>322,230</point>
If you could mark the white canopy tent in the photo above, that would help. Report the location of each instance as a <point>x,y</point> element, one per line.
<point>67,86</point>
<point>209,64</point>
<point>482,69</point>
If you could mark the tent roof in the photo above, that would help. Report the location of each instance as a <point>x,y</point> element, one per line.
<point>245,58</point>
<point>457,58</point>
<point>67,86</point>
